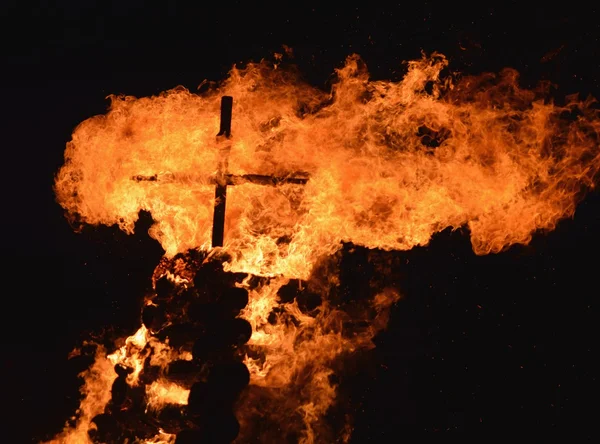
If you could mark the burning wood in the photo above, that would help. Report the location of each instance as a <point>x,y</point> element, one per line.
<point>229,179</point>
<point>178,392</point>
<point>247,326</point>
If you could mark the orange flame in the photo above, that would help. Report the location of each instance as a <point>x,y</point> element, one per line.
<point>389,165</point>
<point>508,163</point>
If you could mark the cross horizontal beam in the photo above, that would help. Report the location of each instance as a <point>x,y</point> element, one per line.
<point>233,179</point>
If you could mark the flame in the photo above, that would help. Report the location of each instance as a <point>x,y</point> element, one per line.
<point>508,163</point>
<point>389,164</point>
<point>132,354</point>
<point>96,394</point>
<point>98,380</point>
<point>160,393</point>
<point>299,354</point>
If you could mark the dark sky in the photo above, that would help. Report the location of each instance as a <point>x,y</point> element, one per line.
<point>480,343</point>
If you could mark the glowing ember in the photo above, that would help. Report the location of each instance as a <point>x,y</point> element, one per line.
<point>389,164</point>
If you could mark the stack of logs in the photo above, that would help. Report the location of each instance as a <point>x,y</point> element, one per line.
<point>201,319</point>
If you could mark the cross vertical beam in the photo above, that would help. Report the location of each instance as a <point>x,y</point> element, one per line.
<point>218,229</point>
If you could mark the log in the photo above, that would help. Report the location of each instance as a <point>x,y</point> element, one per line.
<point>228,305</point>
<point>204,313</point>
<point>230,278</point>
<point>171,419</point>
<point>154,317</point>
<point>184,373</point>
<point>164,288</point>
<point>229,378</point>
<point>149,373</point>
<point>205,347</point>
<point>200,398</point>
<point>214,418</point>
<point>180,335</point>
<point>138,425</point>
<point>236,332</point>
<point>234,300</point>
<point>223,431</point>
<point>119,391</point>
<point>223,337</point>
<point>206,399</point>
<point>122,370</point>
<point>109,430</point>
<point>125,398</point>
<point>190,436</point>
<point>209,276</point>
<point>221,427</point>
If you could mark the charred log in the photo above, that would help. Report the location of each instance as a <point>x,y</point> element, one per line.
<point>172,419</point>
<point>200,398</point>
<point>231,279</point>
<point>234,300</point>
<point>229,378</point>
<point>149,373</point>
<point>125,398</point>
<point>206,398</point>
<point>209,276</point>
<point>107,429</point>
<point>223,431</point>
<point>154,317</point>
<point>190,436</point>
<point>222,338</point>
<point>122,370</point>
<point>217,425</point>
<point>184,373</point>
<point>119,391</point>
<point>213,279</point>
<point>236,332</point>
<point>180,335</point>
<point>164,288</point>
<point>207,347</point>
<point>204,313</point>
<point>221,427</point>
<point>228,304</point>
<point>119,429</point>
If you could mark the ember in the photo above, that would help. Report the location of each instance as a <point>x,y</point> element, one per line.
<point>246,327</point>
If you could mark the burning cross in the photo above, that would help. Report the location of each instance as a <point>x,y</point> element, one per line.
<point>223,179</point>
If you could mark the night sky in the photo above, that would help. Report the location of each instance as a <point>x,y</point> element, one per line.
<point>488,344</point>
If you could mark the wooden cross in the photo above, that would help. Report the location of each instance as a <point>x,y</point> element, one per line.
<point>223,179</point>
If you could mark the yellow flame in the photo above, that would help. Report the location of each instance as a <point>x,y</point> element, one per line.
<point>161,392</point>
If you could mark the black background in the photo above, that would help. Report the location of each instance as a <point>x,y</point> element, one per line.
<point>485,344</point>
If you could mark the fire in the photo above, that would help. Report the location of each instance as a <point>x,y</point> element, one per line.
<point>386,165</point>
<point>164,392</point>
